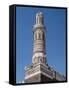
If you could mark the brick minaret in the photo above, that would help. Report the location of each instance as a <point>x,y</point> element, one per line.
<point>39,53</point>
<point>39,71</point>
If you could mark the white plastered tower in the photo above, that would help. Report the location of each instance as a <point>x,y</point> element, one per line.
<point>39,49</point>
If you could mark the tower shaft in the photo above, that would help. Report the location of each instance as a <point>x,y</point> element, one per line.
<point>39,53</point>
<point>39,71</point>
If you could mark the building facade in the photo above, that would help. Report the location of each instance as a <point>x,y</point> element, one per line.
<point>40,71</point>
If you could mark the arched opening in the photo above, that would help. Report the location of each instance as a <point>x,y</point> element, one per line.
<point>39,35</point>
<point>35,36</point>
<point>43,36</point>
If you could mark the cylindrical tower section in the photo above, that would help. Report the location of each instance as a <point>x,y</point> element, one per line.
<point>39,18</point>
<point>39,49</point>
<point>39,41</point>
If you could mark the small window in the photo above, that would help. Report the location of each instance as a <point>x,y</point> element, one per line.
<point>35,36</point>
<point>43,36</point>
<point>39,35</point>
<point>40,59</point>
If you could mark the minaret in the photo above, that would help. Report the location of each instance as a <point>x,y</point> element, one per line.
<point>39,71</point>
<point>39,30</point>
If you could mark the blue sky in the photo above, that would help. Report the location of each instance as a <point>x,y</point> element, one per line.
<point>54,20</point>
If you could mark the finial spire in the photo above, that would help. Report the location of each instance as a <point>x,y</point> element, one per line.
<point>39,18</point>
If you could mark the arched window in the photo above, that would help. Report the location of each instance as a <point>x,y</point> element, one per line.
<point>35,36</point>
<point>39,35</point>
<point>43,36</point>
<point>39,59</point>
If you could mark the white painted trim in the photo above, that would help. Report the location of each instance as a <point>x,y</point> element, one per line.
<point>38,73</point>
<point>26,77</point>
<point>38,65</point>
<point>39,54</point>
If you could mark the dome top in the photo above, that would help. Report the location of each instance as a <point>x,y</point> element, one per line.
<point>39,14</point>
